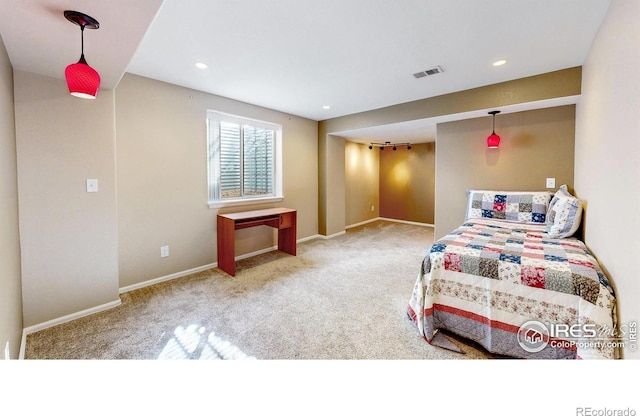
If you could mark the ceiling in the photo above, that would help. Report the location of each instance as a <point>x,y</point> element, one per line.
<point>298,56</point>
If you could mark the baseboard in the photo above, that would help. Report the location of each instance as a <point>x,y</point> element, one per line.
<point>203,268</point>
<point>167,278</point>
<point>64,319</point>
<point>67,318</point>
<point>312,237</point>
<point>363,223</point>
<point>420,224</point>
<point>328,237</point>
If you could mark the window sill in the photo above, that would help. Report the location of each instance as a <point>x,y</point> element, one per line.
<point>245,201</point>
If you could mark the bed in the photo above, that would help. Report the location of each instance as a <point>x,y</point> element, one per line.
<point>514,279</point>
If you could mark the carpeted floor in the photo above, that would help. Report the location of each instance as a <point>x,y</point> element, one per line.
<point>341,298</point>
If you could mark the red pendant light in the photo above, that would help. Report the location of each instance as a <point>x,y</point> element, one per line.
<point>493,141</point>
<point>82,80</point>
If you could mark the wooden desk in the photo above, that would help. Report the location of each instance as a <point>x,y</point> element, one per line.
<point>284,219</point>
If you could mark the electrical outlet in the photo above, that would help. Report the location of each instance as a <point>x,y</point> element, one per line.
<point>164,251</point>
<point>92,185</point>
<point>551,182</point>
<point>372,208</point>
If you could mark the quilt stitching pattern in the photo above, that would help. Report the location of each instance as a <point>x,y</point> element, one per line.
<point>487,278</point>
<point>511,207</point>
<point>523,257</point>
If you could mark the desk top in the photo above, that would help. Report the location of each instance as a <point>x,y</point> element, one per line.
<point>256,214</point>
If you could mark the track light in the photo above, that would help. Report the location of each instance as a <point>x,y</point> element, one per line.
<point>382,146</point>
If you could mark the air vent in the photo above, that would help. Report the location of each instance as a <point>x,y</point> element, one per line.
<point>428,72</point>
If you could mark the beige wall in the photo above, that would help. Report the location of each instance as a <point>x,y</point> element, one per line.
<point>535,145</point>
<point>68,236</point>
<point>162,178</point>
<point>361,183</point>
<point>407,183</point>
<point>563,83</point>
<point>10,281</point>
<point>331,203</point>
<point>398,185</point>
<point>331,182</point>
<point>70,248</point>
<point>607,172</point>
<point>79,248</point>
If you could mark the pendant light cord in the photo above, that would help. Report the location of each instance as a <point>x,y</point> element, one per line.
<point>82,60</point>
<point>82,40</point>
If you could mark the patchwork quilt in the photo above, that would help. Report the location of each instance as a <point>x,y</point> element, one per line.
<point>517,292</point>
<point>528,207</point>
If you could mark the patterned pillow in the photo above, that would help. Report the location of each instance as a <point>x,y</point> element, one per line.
<point>517,206</point>
<point>564,215</point>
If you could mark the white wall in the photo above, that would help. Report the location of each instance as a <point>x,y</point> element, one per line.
<point>607,161</point>
<point>10,282</point>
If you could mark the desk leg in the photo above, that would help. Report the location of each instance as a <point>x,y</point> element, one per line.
<point>226,245</point>
<point>287,238</point>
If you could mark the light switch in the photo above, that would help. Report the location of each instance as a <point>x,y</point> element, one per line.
<point>551,183</point>
<point>92,185</point>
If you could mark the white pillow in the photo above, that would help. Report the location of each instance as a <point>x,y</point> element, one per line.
<point>564,215</point>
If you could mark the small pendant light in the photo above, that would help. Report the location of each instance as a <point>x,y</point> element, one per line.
<point>493,141</point>
<point>82,80</point>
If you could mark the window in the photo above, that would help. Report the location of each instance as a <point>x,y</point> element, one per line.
<point>244,160</point>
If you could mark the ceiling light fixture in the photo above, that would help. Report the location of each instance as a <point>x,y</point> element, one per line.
<point>201,65</point>
<point>493,141</point>
<point>82,80</point>
<point>500,62</point>
<point>326,107</point>
<point>389,144</point>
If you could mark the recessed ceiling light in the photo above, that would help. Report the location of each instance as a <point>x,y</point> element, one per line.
<point>500,62</point>
<point>326,107</point>
<point>201,65</point>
